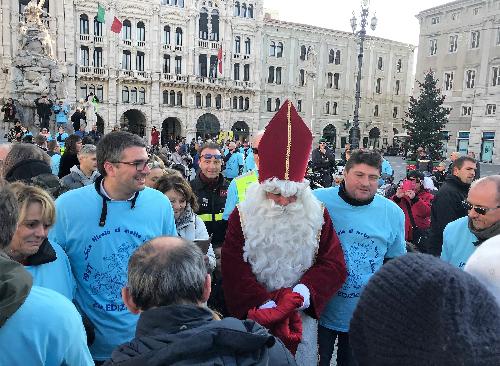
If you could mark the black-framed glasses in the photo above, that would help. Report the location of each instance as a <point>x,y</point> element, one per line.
<point>210,156</point>
<point>480,210</point>
<point>140,165</point>
<point>255,151</point>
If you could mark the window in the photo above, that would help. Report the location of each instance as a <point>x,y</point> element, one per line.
<point>141,32</point>
<point>380,63</point>
<point>98,57</point>
<point>336,78</point>
<point>375,110</point>
<point>378,86</point>
<point>142,96</point>
<point>179,99</point>
<point>448,80</point>
<point>395,112</point>
<point>172,98</point>
<point>470,76</point>
<point>246,72</point>
<point>337,57</point>
<point>277,104</point>
<point>399,65</point>
<point>208,100</point>
<point>498,36</point>
<point>302,77</point>
<point>334,108</point>
<point>235,102</point>
<point>100,93</point>
<point>127,30</point>
<point>435,20</point>
<point>433,43</point>
<point>133,95</point>
<point>474,39</point>
<point>466,110</point>
<point>496,76</point>
<point>237,9</point>
<point>240,103</point>
<point>84,56</point>
<point>125,95</point>
<point>396,89</point>
<point>331,57</point>
<point>218,101</point>
<point>84,24</point>
<point>198,100</point>
<point>250,11</point>
<point>303,52</point>
<point>279,50</point>
<point>491,109</point>
<point>97,28</point>
<point>454,16</point>
<point>166,34</point>
<point>278,76</point>
<point>236,71</point>
<point>269,105</point>
<point>140,61</point>
<point>127,60</point>
<point>247,103</point>
<point>244,10</point>
<point>475,11</point>
<point>453,43</point>
<point>165,97</point>
<point>327,108</point>
<point>237,44</point>
<point>272,49</point>
<point>166,64</point>
<point>329,81</point>
<point>299,105</point>
<point>178,36</point>
<point>203,24</point>
<point>247,46</point>
<point>178,65</point>
<point>270,75</point>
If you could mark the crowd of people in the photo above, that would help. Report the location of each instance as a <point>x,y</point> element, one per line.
<point>119,252</point>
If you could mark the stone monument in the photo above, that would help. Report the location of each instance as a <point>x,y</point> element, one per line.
<point>35,71</point>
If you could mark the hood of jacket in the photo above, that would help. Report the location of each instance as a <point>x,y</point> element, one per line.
<point>80,176</point>
<point>170,334</point>
<point>27,169</point>
<point>15,285</point>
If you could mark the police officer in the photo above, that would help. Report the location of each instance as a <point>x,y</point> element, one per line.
<point>323,161</point>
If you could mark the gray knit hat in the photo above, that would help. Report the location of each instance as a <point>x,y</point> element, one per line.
<point>418,310</point>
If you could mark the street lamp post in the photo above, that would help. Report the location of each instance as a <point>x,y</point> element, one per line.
<point>361,34</point>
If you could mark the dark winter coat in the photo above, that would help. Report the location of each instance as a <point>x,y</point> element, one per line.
<point>76,118</point>
<point>67,162</point>
<point>446,207</point>
<point>43,109</point>
<point>188,335</point>
<point>9,111</point>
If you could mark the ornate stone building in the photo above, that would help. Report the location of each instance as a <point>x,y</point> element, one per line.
<point>460,42</point>
<point>162,68</point>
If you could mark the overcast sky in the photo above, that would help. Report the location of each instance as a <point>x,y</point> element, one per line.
<point>396,18</point>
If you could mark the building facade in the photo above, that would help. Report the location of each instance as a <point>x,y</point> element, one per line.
<point>195,67</point>
<point>460,42</point>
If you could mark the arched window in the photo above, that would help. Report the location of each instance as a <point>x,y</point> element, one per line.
<point>247,46</point>
<point>399,65</point>
<point>327,108</point>
<point>127,30</point>
<point>303,52</point>
<point>247,103</point>
<point>250,11</point>
<point>270,75</point>
<point>214,20</point>
<point>334,108</point>
<point>237,9</point>
<point>125,95</point>
<point>84,24</point>
<point>240,102</point>
<point>208,100</point>
<point>237,44</point>
<point>178,36</point>
<point>218,101</point>
<point>329,82</point>
<point>100,93</point>
<point>172,98</point>
<point>166,34</point>
<point>235,102</point>
<point>133,95</point>
<point>165,97</point>
<point>396,91</point>
<point>336,79</point>
<point>337,57</point>
<point>166,64</point>
<point>277,104</point>
<point>269,104</point>
<point>272,49</point>
<point>375,111</point>
<point>198,100</point>
<point>142,96</point>
<point>279,49</point>
<point>331,56</point>
<point>378,86</point>
<point>97,28</point>
<point>380,63</point>
<point>92,89</point>
<point>141,32</point>
<point>302,77</point>
<point>179,99</point>
<point>203,24</point>
<point>244,10</point>
<point>278,76</point>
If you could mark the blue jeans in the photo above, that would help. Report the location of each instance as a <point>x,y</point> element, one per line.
<point>326,342</point>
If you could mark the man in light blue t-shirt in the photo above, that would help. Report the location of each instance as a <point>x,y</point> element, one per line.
<point>462,236</point>
<point>235,162</point>
<point>371,231</point>
<point>100,225</point>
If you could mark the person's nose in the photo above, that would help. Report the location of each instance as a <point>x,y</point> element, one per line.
<point>472,213</point>
<point>41,231</point>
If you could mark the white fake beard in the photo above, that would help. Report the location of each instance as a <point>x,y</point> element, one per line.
<point>281,242</point>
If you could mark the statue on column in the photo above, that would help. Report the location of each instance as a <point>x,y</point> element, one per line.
<point>91,111</point>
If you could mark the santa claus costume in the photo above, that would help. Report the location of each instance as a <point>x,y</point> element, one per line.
<point>281,263</point>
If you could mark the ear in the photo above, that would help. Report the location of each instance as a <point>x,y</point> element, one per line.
<point>129,302</point>
<point>207,288</point>
<point>109,168</point>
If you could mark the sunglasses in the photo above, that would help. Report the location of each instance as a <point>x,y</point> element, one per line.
<point>210,156</point>
<point>480,210</point>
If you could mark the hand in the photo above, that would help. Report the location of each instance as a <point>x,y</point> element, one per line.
<point>400,193</point>
<point>410,194</point>
<point>323,150</point>
<point>304,292</point>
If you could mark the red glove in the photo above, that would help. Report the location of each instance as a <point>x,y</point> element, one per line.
<point>287,302</point>
<point>290,332</point>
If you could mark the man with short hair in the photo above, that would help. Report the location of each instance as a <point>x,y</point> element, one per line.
<point>61,114</point>
<point>38,326</point>
<point>167,286</point>
<point>371,230</point>
<point>77,118</point>
<point>100,225</point>
<point>94,134</point>
<point>453,156</point>
<point>447,204</point>
<point>44,110</point>
<point>462,236</point>
<point>234,162</point>
<point>84,174</point>
<point>323,162</point>
<point>472,154</point>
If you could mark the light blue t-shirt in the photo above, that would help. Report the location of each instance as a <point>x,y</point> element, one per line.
<point>46,330</point>
<point>368,234</point>
<point>458,242</point>
<point>232,198</point>
<point>55,275</point>
<point>55,160</point>
<point>99,255</point>
<point>250,161</point>
<point>233,165</point>
<point>61,113</point>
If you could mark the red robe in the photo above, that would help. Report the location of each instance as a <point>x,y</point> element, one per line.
<point>243,292</point>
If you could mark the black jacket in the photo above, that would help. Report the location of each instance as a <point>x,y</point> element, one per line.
<point>43,109</point>
<point>322,162</point>
<point>188,335</point>
<point>67,162</point>
<point>76,118</point>
<point>212,201</point>
<point>446,207</point>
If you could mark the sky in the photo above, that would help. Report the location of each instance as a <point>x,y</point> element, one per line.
<point>396,18</point>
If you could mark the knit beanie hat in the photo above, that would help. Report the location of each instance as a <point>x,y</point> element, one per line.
<point>418,310</point>
<point>484,264</point>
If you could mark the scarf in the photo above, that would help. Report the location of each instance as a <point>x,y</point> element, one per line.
<point>352,201</point>
<point>185,218</point>
<point>484,234</point>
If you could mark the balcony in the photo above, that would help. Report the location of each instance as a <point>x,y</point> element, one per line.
<point>178,48</point>
<point>126,74</point>
<point>101,71</point>
<point>215,45</point>
<point>203,44</point>
<point>167,47</point>
<point>243,84</point>
<point>142,74</point>
<point>209,80</point>
<point>141,44</point>
<point>84,69</point>
<point>173,78</point>
<point>98,39</point>
<point>127,42</point>
<point>85,37</point>
<point>236,55</point>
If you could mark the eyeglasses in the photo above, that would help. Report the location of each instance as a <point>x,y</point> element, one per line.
<point>139,165</point>
<point>210,156</point>
<point>255,151</point>
<point>480,210</point>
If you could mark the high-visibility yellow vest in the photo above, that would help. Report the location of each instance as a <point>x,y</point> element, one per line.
<point>243,182</point>
<point>210,217</point>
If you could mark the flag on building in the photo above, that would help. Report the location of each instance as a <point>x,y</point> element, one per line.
<point>101,13</point>
<point>219,58</point>
<point>116,27</point>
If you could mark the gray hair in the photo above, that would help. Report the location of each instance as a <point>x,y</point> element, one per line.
<point>20,152</point>
<point>495,179</point>
<point>9,212</point>
<point>161,275</point>
<point>88,150</point>
<point>111,146</point>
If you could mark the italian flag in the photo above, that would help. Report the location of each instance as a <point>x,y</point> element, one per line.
<point>101,13</point>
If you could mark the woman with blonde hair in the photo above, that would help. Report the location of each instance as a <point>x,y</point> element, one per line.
<point>47,262</point>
